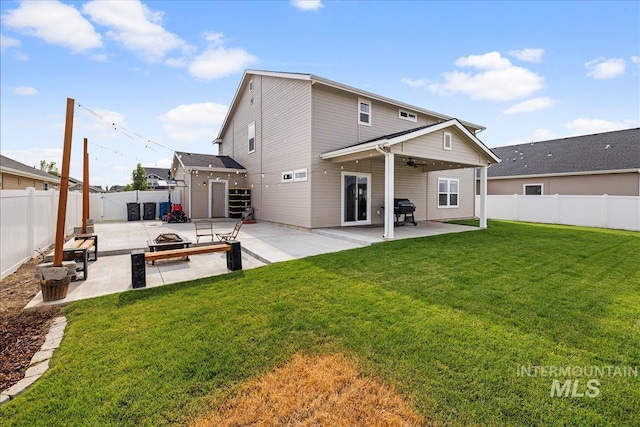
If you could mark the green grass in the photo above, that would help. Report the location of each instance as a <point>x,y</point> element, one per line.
<point>447,320</point>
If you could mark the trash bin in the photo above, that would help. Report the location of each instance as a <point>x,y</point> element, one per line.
<point>164,209</point>
<point>133,211</point>
<point>149,211</point>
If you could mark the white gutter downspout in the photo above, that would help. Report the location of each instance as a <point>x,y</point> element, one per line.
<point>389,184</point>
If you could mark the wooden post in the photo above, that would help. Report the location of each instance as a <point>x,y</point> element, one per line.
<point>85,188</point>
<point>64,185</point>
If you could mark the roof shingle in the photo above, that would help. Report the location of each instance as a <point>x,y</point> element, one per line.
<point>615,150</point>
<point>207,161</point>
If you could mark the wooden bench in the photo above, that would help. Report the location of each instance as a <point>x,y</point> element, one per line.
<point>185,252</point>
<point>204,227</point>
<point>139,258</point>
<point>78,250</point>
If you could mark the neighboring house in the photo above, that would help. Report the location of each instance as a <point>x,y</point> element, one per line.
<point>76,185</point>
<point>18,176</point>
<point>602,163</point>
<point>317,153</point>
<point>157,178</point>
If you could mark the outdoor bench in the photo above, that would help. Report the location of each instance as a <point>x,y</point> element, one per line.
<point>79,251</point>
<point>139,258</point>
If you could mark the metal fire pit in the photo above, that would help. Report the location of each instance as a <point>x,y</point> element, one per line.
<point>167,241</point>
<point>168,238</point>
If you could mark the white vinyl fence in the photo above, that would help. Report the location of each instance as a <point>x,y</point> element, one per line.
<point>605,211</point>
<point>28,218</point>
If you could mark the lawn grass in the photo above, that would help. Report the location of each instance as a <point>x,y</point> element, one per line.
<point>447,320</point>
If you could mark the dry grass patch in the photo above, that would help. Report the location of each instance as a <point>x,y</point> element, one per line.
<point>315,391</point>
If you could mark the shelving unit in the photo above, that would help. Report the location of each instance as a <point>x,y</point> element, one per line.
<point>239,200</point>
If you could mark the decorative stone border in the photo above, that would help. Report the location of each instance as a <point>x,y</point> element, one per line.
<point>39,362</point>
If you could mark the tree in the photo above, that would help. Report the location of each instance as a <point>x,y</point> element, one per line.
<point>139,178</point>
<point>49,167</point>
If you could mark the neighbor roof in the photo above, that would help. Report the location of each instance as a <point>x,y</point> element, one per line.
<point>162,173</point>
<point>321,80</point>
<point>198,161</point>
<point>12,166</point>
<point>610,151</point>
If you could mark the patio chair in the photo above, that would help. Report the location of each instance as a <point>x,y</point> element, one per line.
<point>227,237</point>
<point>204,227</point>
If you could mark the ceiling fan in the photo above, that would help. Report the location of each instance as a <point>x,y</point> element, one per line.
<point>412,162</point>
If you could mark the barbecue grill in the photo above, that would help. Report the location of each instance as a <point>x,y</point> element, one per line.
<point>404,208</point>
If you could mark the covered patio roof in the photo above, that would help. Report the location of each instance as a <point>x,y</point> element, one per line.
<point>413,146</point>
<point>371,147</point>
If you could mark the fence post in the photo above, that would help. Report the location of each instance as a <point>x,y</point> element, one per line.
<point>605,203</point>
<point>516,209</point>
<point>31,213</point>
<point>556,207</point>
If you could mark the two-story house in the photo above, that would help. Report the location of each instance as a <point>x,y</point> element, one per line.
<point>316,153</point>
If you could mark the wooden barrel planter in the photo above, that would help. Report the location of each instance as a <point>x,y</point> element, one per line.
<point>53,290</point>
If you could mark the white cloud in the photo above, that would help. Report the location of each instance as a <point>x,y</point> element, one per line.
<point>220,62</point>
<point>498,79</point>
<point>7,42</point>
<point>307,4</point>
<point>528,55</point>
<point>136,27</point>
<point>414,83</point>
<point>55,23</point>
<point>22,56</point>
<point>32,157</point>
<point>488,61</point>
<point>100,122</point>
<point>25,91</point>
<point>590,126</point>
<point>196,122</point>
<point>215,39</point>
<point>635,59</point>
<point>605,69</point>
<point>531,105</point>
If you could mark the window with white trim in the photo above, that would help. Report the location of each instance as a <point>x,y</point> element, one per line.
<point>533,189</point>
<point>406,115</point>
<point>448,193</point>
<point>446,143</point>
<point>287,176</point>
<point>250,85</point>
<point>364,112</point>
<point>300,174</point>
<point>252,137</point>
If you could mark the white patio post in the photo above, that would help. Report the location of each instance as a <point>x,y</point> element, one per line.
<point>389,186</point>
<point>483,197</point>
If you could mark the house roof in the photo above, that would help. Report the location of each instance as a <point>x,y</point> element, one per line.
<point>12,166</point>
<point>609,151</point>
<point>77,182</point>
<point>207,161</point>
<point>398,137</point>
<point>321,80</point>
<point>161,173</point>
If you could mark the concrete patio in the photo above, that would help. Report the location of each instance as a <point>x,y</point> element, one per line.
<point>262,243</point>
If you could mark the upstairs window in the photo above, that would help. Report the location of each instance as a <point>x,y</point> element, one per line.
<point>364,112</point>
<point>250,85</point>
<point>406,115</point>
<point>252,137</point>
<point>448,192</point>
<point>446,144</point>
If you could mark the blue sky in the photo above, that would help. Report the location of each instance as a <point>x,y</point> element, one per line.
<point>156,76</point>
